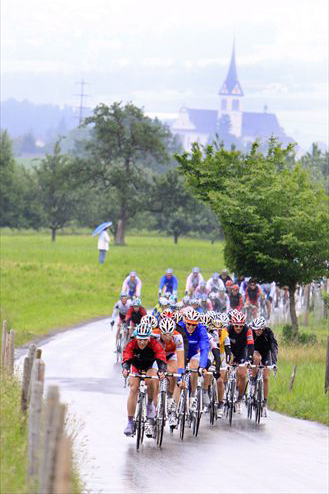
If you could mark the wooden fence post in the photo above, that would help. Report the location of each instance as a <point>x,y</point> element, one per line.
<point>63,470</point>
<point>52,418</point>
<point>3,343</point>
<point>11,352</point>
<point>28,362</point>
<point>33,452</point>
<point>326,382</point>
<point>292,378</point>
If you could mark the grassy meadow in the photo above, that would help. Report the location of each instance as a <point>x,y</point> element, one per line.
<point>45,285</point>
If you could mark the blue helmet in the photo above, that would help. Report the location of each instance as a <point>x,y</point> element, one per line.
<point>143,331</point>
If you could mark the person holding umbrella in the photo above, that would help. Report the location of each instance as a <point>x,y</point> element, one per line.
<point>103,240</point>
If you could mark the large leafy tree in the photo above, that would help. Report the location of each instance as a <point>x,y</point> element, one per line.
<point>274,217</point>
<point>122,138</point>
<point>57,195</point>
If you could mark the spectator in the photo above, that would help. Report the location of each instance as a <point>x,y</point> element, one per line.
<point>103,245</point>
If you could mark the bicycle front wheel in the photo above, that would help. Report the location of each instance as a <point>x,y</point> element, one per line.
<point>160,420</point>
<point>139,423</point>
<point>197,413</point>
<point>259,399</point>
<point>231,402</point>
<point>212,405</point>
<point>182,414</point>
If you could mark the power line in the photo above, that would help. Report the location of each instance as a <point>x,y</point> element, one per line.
<point>82,96</point>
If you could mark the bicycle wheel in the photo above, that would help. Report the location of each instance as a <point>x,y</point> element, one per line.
<point>231,402</point>
<point>119,348</point>
<point>259,399</point>
<point>182,414</point>
<point>212,405</point>
<point>197,413</point>
<point>139,423</point>
<point>160,420</point>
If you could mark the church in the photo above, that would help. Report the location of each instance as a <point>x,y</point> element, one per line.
<point>201,126</point>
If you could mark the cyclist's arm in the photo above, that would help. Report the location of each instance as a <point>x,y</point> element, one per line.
<point>128,355</point>
<point>115,312</point>
<point>138,288</point>
<point>188,283</point>
<point>185,342</point>
<point>162,282</point>
<point>175,285</point>
<point>274,346</point>
<point>159,354</point>
<point>204,347</point>
<point>128,316</point>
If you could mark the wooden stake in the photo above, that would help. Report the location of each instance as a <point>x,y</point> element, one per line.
<point>292,378</point>
<point>63,471</point>
<point>11,352</point>
<point>33,452</point>
<point>326,382</point>
<point>3,343</point>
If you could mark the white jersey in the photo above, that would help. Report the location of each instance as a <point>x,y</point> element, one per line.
<point>121,308</point>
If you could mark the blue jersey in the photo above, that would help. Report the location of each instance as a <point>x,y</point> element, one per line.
<point>198,340</point>
<point>171,284</point>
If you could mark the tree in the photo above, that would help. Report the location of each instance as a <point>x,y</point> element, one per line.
<point>275,219</point>
<point>58,197</point>
<point>317,163</point>
<point>123,137</point>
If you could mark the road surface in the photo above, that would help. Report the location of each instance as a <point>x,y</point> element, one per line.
<point>284,455</point>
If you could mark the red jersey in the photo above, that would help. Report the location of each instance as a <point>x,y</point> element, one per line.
<point>143,359</point>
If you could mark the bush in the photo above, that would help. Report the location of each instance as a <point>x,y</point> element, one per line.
<point>302,338</point>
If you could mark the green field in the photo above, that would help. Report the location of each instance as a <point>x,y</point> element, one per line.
<point>47,285</point>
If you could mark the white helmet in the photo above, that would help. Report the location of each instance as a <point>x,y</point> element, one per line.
<point>167,325</point>
<point>143,331</point>
<point>149,319</point>
<point>191,316</point>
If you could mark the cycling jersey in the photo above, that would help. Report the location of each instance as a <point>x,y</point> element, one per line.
<point>135,316</point>
<point>143,359</point>
<point>215,284</point>
<point>132,286</point>
<point>252,295</point>
<point>236,301</point>
<point>198,341</point>
<point>121,308</point>
<point>172,346</point>
<point>193,281</point>
<point>242,344</point>
<point>266,345</point>
<point>171,284</point>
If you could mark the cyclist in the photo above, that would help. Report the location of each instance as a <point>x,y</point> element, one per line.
<point>222,302</point>
<point>132,285</point>
<point>253,294</point>
<point>162,304</point>
<point>135,314</point>
<point>214,282</point>
<point>172,342</point>
<point>143,353</point>
<point>120,308</point>
<point>193,281</point>
<point>224,276</point>
<point>236,300</point>
<point>265,352</point>
<point>220,324</point>
<point>196,304</point>
<point>169,282</point>
<point>228,287</point>
<point>268,290</point>
<point>242,346</point>
<point>198,348</point>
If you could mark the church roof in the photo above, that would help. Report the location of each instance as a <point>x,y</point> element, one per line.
<point>261,125</point>
<point>231,85</point>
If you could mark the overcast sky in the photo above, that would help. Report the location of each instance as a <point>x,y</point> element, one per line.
<point>163,54</point>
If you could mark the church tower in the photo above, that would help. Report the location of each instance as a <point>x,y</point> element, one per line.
<point>231,98</point>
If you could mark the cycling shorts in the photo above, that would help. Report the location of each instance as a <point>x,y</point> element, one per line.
<point>122,316</point>
<point>134,369</point>
<point>266,357</point>
<point>240,357</point>
<point>195,357</point>
<point>171,357</point>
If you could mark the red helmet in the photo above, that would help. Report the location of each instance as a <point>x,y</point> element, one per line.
<point>228,283</point>
<point>235,287</point>
<point>238,318</point>
<point>166,313</point>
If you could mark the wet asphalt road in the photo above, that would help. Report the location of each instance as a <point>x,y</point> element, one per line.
<point>283,455</point>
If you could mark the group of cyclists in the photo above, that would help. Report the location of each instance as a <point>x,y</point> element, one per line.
<point>207,328</point>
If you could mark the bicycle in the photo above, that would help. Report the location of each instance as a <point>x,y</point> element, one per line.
<point>121,341</point>
<point>230,392</point>
<point>250,312</point>
<point>140,414</point>
<point>213,396</point>
<point>161,417</point>
<point>255,397</point>
<point>183,404</point>
<point>196,414</point>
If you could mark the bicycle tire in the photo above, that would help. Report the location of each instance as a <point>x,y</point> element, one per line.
<point>160,421</point>
<point>197,413</point>
<point>182,414</point>
<point>231,403</point>
<point>259,398</point>
<point>212,405</point>
<point>119,349</point>
<point>139,423</point>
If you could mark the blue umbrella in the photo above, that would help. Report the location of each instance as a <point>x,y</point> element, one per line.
<point>101,227</point>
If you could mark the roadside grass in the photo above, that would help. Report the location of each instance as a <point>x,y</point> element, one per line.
<point>13,434</point>
<point>45,285</point>
<point>307,400</point>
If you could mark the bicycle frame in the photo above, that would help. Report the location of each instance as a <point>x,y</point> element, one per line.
<point>230,392</point>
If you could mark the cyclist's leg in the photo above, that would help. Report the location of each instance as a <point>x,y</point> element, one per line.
<point>194,365</point>
<point>119,324</point>
<point>133,395</point>
<point>241,379</point>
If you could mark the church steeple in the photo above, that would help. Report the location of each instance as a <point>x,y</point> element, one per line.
<point>231,85</point>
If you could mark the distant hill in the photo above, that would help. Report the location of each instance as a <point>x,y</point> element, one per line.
<point>43,121</point>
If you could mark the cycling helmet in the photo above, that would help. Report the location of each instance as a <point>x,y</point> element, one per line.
<point>205,318</point>
<point>225,319</point>
<point>136,302</point>
<point>150,320</point>
<point>215,276</point>
<point>164,301</point>
<point>238,318</point>
<point>195,270</point>
<point>167,295</point>
<point>167,326</point>
<point>143,331</point>
<point>230,313</point>
<point>123,294</point>
<point>195,301</point>
<point>191,316</point>
<point>132,273</point>
<point>186,300</point>
<point>228,283</point>
<point>212,296</point>
<point>172,300</point>
<point>258,323</point>
<point>235,287</point>
<point>166,313</point>
<point>179,305</point>
<point>203,284</point>
<point>177,316</point>
<point>169,271</point>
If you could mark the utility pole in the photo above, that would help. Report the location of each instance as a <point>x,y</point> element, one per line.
<point>82,96</point>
